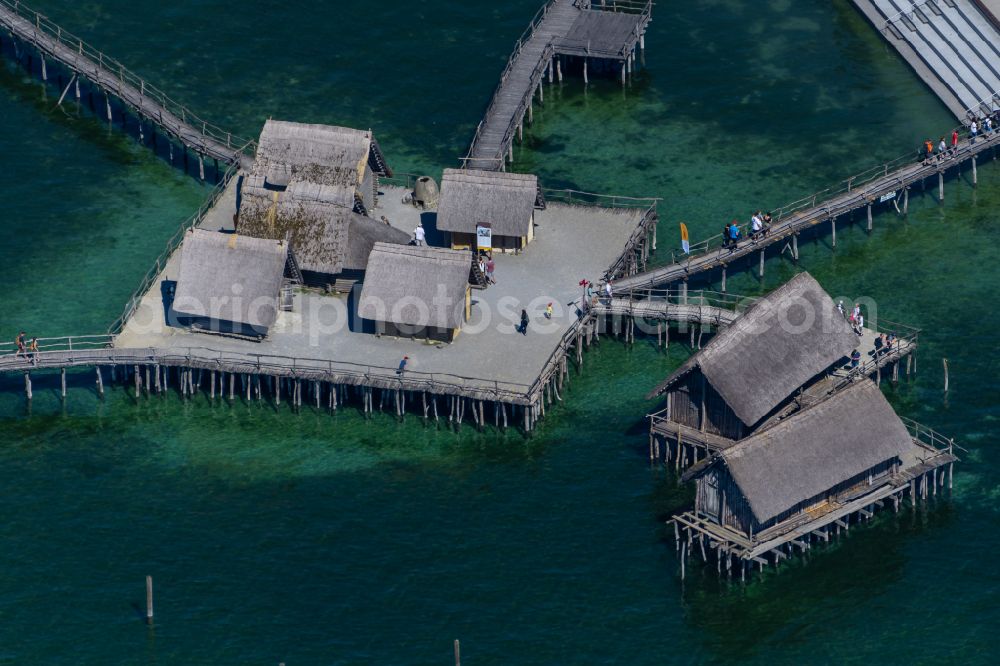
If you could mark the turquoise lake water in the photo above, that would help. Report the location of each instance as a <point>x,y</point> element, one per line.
<point>316,539</point>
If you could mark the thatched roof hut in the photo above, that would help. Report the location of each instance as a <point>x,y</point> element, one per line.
<point>780,343</point>
<point>229,283</point>
<point>416,291</point>
<point>505,201</point>
<point>325,238</point>
<point>803,459</point>
<point>322,163</point>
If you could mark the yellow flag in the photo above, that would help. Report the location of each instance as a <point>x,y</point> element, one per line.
<point>685,243</point>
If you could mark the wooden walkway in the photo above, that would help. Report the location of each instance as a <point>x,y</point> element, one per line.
<point>561,27</point>
<point>885,185</point>
<point>35,35</point>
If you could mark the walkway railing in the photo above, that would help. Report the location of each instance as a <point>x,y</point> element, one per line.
<point>855,184</point>
<point>125,77</point>
<point>578,198</point>
<point>929,437</point>
<point>161,261</point>
<point>62,344</point>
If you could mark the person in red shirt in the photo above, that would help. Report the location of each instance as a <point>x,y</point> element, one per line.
<point>954,142</point>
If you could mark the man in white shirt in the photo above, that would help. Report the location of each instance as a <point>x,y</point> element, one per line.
<point>419,235</point>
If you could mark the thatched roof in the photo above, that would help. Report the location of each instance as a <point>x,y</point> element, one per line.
<point>314,162</point>
<point>505,200</point>
<point>817,448</point>
<point>325,238</point>
<point>416,286</point>
<point>230,278</point>
<point>776,346</point>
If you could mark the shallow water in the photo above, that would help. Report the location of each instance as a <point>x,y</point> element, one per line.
<point>310,538</point>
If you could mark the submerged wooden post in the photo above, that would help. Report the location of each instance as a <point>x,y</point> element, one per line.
<point>27,385</point>
<point>723,279</point>
<point>149,600</point>
<point>760,271</point>
<point>906,200</point>
<point>585,81</point>
<point>62,378</point>
<point>795,247</point>
<point>940,186</point>
<point>944,362</point>
<point>869,218</point>
<point>100,382</point>
<point>559,69</point>
<point>975,180</point>
<point>833,230</point>
<point>458,653</point>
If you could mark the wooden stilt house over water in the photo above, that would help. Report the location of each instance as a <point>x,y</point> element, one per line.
<point>799,479</point>
<point>229,284</point>
<point>749,372</point>
<point>299,162</point>
<point>502,202</point>
<point>420,292</point>
<point>313,184</point>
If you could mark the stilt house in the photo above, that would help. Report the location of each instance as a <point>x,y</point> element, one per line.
<point>790,338</point>
<point>790,481</point>
<point>502,202</point>
<point>420,292</point>
<point>314,185</point>
<point>229,284</point>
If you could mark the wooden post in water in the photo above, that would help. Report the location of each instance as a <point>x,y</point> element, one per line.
<point>975,180</point>
<point>944,362</point>
<point>940,186</point>
<point>458,653</point>
<point>795,248</point>
<point>559,69</point>
<point>27,385</point>
<point>100,383</point>
<point>833,230</point>
<point>869,218</point>
<point>760,271</point>
<point>149,600</point>
<point>62,378</point>
<point>585,81</point>
<point>723,279</point>
<point>906,200</point>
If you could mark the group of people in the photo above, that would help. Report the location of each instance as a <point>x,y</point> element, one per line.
<point>487,267</point>
<point>28,350</point>
<point>985,126</point>
<point>856,319</point>
<point>760,227</point>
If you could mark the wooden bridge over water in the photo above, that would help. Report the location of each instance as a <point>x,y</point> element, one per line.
<point>32,35</point>
<point>882,186</point>
<point>602,30</point>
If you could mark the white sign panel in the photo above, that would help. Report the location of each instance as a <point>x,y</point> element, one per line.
<point>484,237</point>
<point>887,197</point>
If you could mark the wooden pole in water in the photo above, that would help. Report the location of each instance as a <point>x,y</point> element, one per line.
<point>795,247</point>
<point>760,271</point>
<point>869,218</point>
<point>833,230</point>
<point>100,383</point>
<point>906,200</point>
<point>723,279</point>
<point>585,81</point>
<point>149,600</point>
<point>27,385</point>
<point>975,180</point>
<point>940,186</point>
<point>62,378</point>
<point>944,362</point>
<point>458,653</point>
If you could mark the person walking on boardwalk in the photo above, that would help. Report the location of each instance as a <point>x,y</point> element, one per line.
<point>734,235</point>
<point>954,142</point>
<point>402,366</point>
<point>987,126</point>
<point>548,311</point>
<point>490,269</point>
<point>419,235</point>
<point>942,150</point>
<point>855,359</point>
<point>33,351</point>
<point>840,308</point>
<point>767,224</point>
<point>608,291</point>
<point>725,236</point>
<point>973,131</point>
<point>928,151</point>
<point>756,226</point>
<point>523,328</point>
<point>19,341</point>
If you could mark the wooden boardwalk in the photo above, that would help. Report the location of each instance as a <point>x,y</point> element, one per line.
<point>887,185</point>
<point>36,36</point>
<point>609,31</point>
